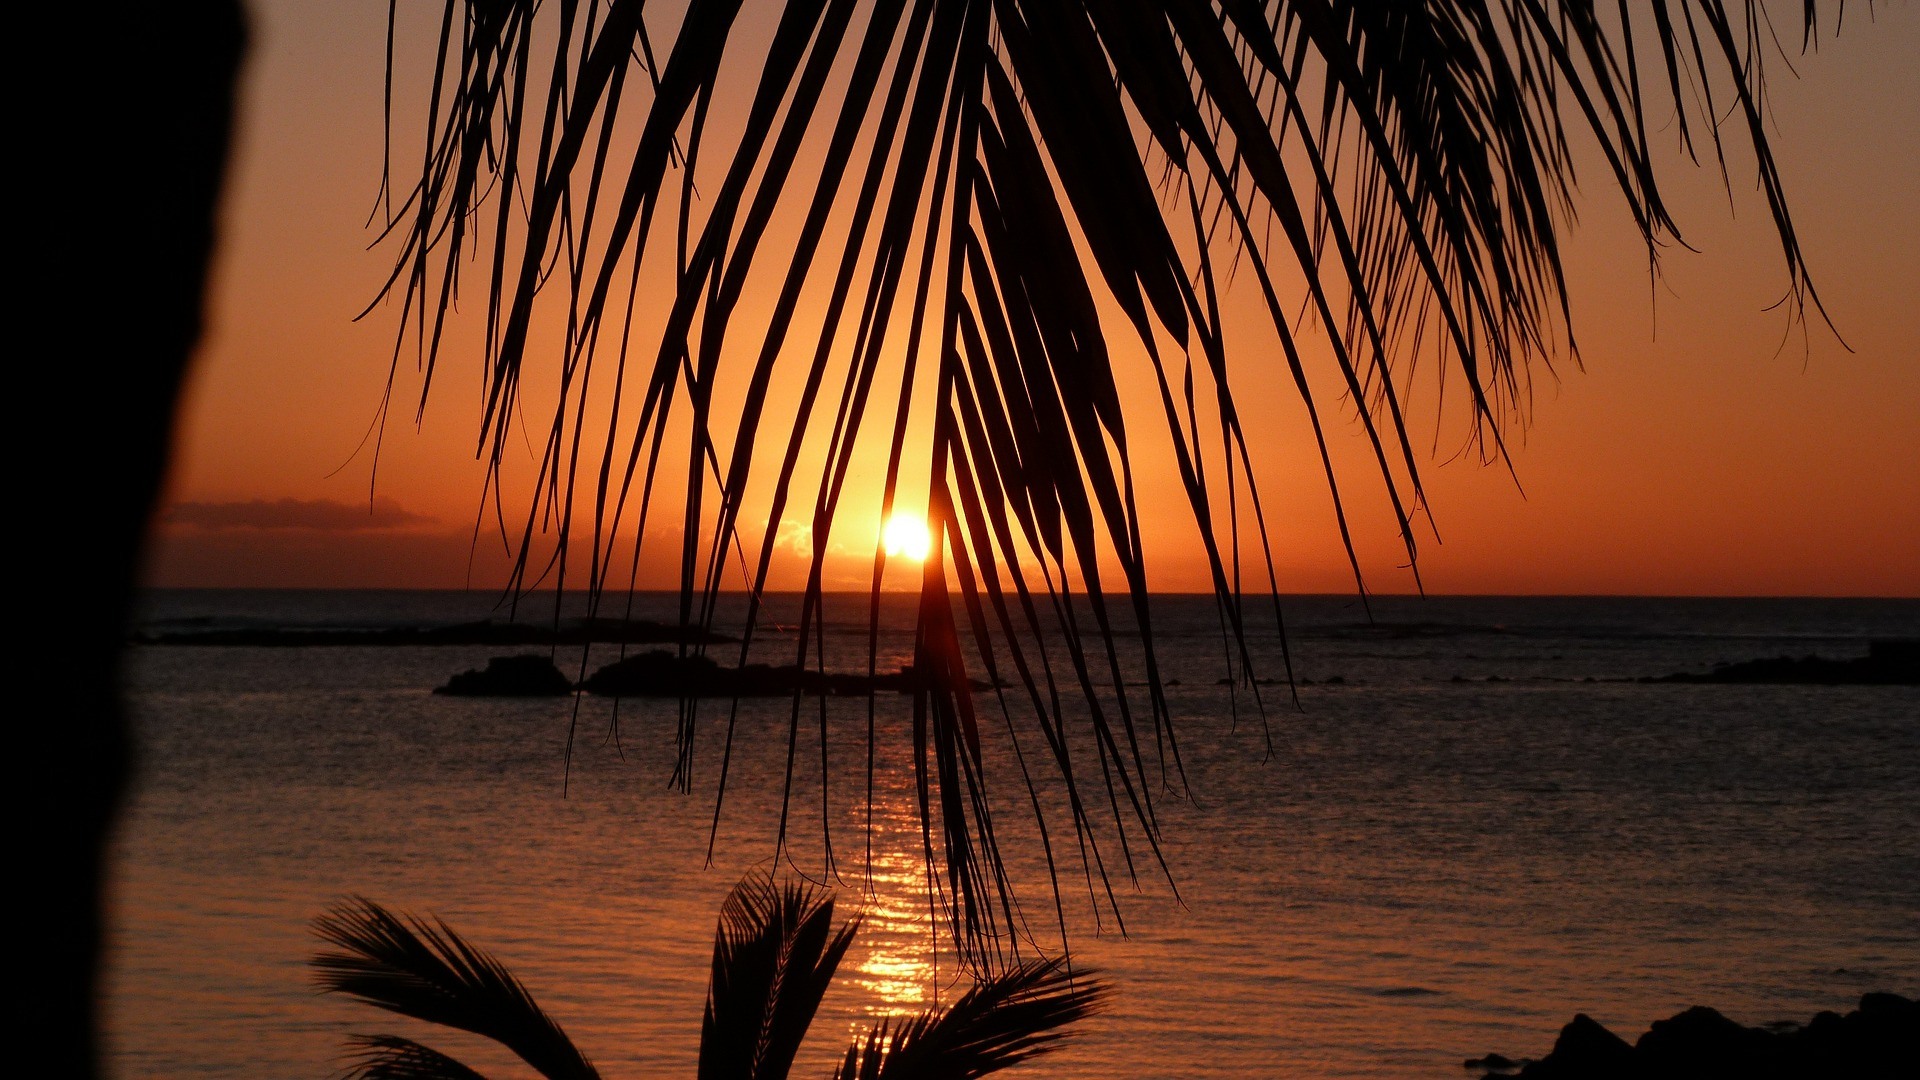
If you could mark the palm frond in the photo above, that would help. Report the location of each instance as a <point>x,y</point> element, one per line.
<point>1016,217</point>
<point>427,971</point>
<point>390,1057</point>
<point>1003,1020</point>
<point>774,955</point>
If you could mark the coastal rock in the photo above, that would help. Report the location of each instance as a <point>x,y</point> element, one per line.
<point>1585,1050</point>
<point>1701,1042</point>
<point>1878,1041</point>
<point>510,676</point>
<point>1881,1038</point>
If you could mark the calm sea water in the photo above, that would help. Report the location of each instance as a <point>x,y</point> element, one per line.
<point>1448,852</point>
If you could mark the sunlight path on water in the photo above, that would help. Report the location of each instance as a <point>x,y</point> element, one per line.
<point>896,966</point>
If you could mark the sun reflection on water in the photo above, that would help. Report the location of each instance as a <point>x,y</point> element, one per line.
<point>896,967</point>
<point>897,970</point>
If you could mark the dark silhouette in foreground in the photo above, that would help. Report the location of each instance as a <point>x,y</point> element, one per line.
<point>774,956</point>
<point>1878,1041</point>
<point>1887,663</point>
<point>130,147</point>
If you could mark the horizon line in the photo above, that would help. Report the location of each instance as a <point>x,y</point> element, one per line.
<point>1171,593</point>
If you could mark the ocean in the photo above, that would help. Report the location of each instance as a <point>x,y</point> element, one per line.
<point>1467,823</point>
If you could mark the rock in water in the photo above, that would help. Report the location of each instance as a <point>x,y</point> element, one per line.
<point>1878,1041</point>
<point>1585,1050</point>
<point>530,675</point>
<point>1702,1042</point>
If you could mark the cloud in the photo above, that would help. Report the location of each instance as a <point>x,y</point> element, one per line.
<point>313,515</point>
<point>795,536</point>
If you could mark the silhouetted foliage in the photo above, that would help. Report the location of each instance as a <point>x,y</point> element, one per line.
<point>774,956</point>
<point>1026,210</point>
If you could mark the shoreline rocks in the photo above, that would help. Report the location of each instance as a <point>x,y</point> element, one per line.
<point>1880,1039</point>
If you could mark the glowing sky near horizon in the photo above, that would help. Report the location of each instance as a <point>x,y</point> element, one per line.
<point>1703,450</point>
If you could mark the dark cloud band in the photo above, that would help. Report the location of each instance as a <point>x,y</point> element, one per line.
<point>318,515</point>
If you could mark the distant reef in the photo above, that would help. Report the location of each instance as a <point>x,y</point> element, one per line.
<point>1894,662</point>
<point>485,632</point>
<point>662,674</point>
<point>1878,1041</point>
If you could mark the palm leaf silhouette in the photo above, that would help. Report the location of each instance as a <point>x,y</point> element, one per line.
<point>1004,1020</point>
<point>390,1057</point>
<point>774,956</point>
<point>428,972</point>
<point>1013,216</point>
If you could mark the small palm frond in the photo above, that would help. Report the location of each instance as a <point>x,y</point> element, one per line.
<point>1002,1021</point>
<point>429,972</point>
<point>390,1057</point>
<point>773,956</point>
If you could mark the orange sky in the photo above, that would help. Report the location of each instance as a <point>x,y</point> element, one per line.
<point>1704,459</point>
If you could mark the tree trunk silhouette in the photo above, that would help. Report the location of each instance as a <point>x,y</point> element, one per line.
<point>121,187</point>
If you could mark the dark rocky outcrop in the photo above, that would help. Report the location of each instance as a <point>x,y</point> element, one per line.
<point>1701,1041</point>
<point>1893,662</point>
<point>1878,1041</point>
<point>1585,1050</point>
<point>484,632</point>
<point>510,676</point>
<point>662,674</point>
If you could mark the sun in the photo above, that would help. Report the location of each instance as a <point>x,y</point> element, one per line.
<point>906,537</point>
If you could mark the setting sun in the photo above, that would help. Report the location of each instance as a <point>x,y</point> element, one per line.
<point>906,537</point>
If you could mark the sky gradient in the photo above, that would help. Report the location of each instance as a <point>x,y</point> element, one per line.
<point>1702,447</point>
